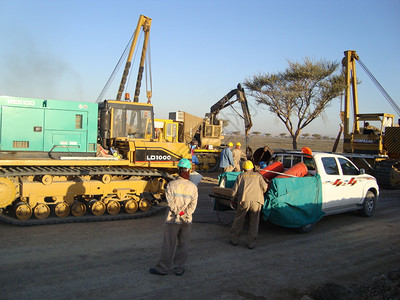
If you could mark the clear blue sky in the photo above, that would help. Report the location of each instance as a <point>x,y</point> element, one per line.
<point>200,50</point>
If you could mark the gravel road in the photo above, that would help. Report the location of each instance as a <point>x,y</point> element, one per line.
<point>110,260</point>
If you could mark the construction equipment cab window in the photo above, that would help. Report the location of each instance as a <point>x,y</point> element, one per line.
<point>129,119</point>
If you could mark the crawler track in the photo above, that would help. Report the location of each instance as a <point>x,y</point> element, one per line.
<point>75,174</point>
<point>76,171</point>
<point>387,173</point>
<point>208,162</point>
<point>87,218</point>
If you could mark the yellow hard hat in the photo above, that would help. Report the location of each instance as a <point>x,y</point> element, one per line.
<point>248,165</point>
<point>230,144</point>
<point>238,144</point>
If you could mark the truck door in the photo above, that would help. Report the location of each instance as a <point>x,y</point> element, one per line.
<point>352,193</point>
<point>331,184</point>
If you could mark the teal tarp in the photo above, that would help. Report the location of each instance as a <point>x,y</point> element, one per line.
<point>294,202</point>
<point>289,202</point>
<point>230,178</point>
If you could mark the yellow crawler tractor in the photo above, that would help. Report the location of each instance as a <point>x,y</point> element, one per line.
<point>63,161</point>
<point>374,146</point>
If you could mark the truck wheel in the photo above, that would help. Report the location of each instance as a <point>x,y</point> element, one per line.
<point>306,228</point>
<point>368,206</point>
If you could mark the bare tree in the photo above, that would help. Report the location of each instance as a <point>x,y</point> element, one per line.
<point>298,95</point>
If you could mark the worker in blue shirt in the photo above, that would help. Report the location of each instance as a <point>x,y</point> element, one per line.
<point>226,161</point>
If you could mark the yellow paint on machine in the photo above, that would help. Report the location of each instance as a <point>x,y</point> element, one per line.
<point>59,191</point>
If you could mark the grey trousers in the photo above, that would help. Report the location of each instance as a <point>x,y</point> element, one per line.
<point>253,208</point>
<point>175,247</point>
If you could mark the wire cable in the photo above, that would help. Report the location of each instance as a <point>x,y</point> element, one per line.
<point>116,69</point>
<point>380,88</point>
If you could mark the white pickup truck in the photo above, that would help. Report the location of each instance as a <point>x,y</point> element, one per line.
<point>339,187</point>
<point>344,186</point>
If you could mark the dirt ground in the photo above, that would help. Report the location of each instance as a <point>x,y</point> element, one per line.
<point>343,256</point>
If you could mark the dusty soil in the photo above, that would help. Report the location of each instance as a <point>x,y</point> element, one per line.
<point>381,286</point>
<point>110,260</point>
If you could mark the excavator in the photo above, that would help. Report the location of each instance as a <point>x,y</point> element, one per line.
<point>375,145</point>
<point>206,133</point>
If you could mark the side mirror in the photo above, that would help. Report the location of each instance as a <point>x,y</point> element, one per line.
<point>362,171</point>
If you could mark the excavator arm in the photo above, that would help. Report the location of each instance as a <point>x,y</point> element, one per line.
<point>226,101</point>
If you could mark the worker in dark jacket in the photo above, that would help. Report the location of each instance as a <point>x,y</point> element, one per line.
<point>248,190</point>
<point>181,196</point>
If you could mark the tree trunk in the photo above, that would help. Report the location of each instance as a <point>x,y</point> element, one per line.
<point>294,143</point>
<point>295,137</point>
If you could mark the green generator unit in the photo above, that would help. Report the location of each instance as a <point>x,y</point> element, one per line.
<point>47,126</point>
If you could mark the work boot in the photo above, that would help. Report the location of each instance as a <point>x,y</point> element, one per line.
<point>251,245</point>
<point>156,272</point>
<point>179,271</point>
<point>233,243</point>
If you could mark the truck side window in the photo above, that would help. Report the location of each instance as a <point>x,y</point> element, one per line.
<point>309,162</point>
<point>347,167</point>
<point>330,166</point>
